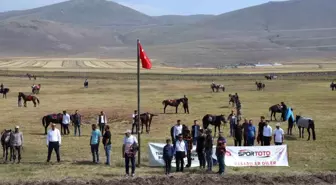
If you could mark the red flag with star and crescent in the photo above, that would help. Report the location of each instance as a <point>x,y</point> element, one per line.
<point>145,61</point>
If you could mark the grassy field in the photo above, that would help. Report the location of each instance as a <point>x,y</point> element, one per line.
<point>309,96</point>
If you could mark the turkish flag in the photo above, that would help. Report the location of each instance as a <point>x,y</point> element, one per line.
<point>146,63</point>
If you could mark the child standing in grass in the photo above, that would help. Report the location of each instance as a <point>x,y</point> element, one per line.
<point>168,153</point>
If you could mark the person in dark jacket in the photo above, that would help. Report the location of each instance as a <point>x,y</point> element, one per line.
<point>200,148</point>
<point>245,131</point>
<point>284,110</point>
<point>168,154</point>
<point>77,120</point>
<point>107,144</point>
<point>195,131</point>
<point>237,134</point>
<point>220,153</point>
<point>208,149</point>
<point>261,130</point>
<point>189,144</point>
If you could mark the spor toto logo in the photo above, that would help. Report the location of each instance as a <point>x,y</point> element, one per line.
<point>249,153</point>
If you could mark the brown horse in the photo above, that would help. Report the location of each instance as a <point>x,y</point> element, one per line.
<point>4,91</point>
<point>217,87</point>
<point>146,119</point>
<point>174,103</point>
<point>333,86</point>
<point>26,98</point>
<point>7,148</point>
<point>31,76</point>
<point>260,86</point>
<point>210,119</point>
<point>275,109</point>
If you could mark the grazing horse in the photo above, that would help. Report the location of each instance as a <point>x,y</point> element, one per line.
<point>6,144</point>
<point>4,91</point>
<point>260,86</point>
<point>210,119</point>
<point>26,98</point>
<point>232,99</point>
<point>53,118</point>
<point>333,86</point>
<point>217,87</point>
<point>146,119</point>
<point>174,103</point>
<point>36,89</point>
<point>275,109</point>
<point>308,123</point>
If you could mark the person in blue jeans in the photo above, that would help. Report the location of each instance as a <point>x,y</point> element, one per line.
<point>77,119</point>
<point>94,143</point>
<point>251,133</point>
<point>220,153</point>
<point>129,150</point>
<point>107,144</point>
<point>168,154</point>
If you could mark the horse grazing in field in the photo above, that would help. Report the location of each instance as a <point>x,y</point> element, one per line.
<point>6,144</point>
<point>233,99</point>
<point>275,109</point>
<point>308,123</point>
<point>146,119</point>
<point>217,87</point>
<point>215,120</point>
<point>260,86</point>
<point>333,86</point>
<point>26,98</point>
<point>175,103</point>
<point>4,92</point>
<point>53,118</point>
<point>36,89</point>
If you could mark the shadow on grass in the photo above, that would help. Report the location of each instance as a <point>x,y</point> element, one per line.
<point>168,113</point>
<point>37,134</point>
<point>224,107</point>
<point>90,163</point>
<point>109,175</point>
<point>290,137</point>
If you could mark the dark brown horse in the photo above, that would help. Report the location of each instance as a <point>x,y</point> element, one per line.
<point>175,103</point>
<point>146,119</point>
<point>26,98</point>
<point>4,92</point>
<point>53,118</point>
<point>217,87</point>
<point>232,99</point>
<point>260,86</point>
<point>210,119</point>
<point>275,109</point>
<point>333,86</point>
<point>7,148</point>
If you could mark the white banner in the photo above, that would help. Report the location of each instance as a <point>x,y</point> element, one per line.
<point>235,156</point>
<point>257,156</point>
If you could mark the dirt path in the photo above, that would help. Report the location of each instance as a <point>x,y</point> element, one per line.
<point>236,179</point>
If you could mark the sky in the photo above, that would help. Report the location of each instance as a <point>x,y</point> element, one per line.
<point>152,7</point>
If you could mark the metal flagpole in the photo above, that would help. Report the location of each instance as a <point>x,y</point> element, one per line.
<point>138,86</point>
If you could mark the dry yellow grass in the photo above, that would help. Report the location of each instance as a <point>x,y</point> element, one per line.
<point>309,97</point>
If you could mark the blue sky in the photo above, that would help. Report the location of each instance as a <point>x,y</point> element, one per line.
<point>153,7</point>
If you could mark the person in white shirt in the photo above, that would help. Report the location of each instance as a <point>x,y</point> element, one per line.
<point>267,134</point>
<point>134,122</point>
<point>129,150</point>
<point>102,121</point>
<point>278,135</point>
<point>65,123</point>
<point>180,153</point>
<point>177,130</point>
<point>53,142</point>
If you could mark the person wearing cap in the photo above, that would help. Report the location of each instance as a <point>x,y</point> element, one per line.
<point>267,134</point>
<point>102,121</point>
<point>200,148</point>
<point>65,123</point>
<point>208,149</point>
<point>94,143</point>
<point>278,135</point>
<point>53,142</point>
<point>220,153</point>
<point>129,150</point>
<point>180,152</point>
<point>134,123</point>
<point>17,143</point>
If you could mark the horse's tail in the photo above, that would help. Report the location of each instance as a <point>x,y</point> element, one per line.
<point>163,102</point>
<point>44,121</point>
<point>313,129</point>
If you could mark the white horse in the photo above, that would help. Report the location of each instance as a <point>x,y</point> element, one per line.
<point>308,123</point>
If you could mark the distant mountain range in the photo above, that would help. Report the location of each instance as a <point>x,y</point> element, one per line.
<point>98,28</point>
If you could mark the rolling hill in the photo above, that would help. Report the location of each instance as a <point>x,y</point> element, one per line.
<point>98,28</point>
